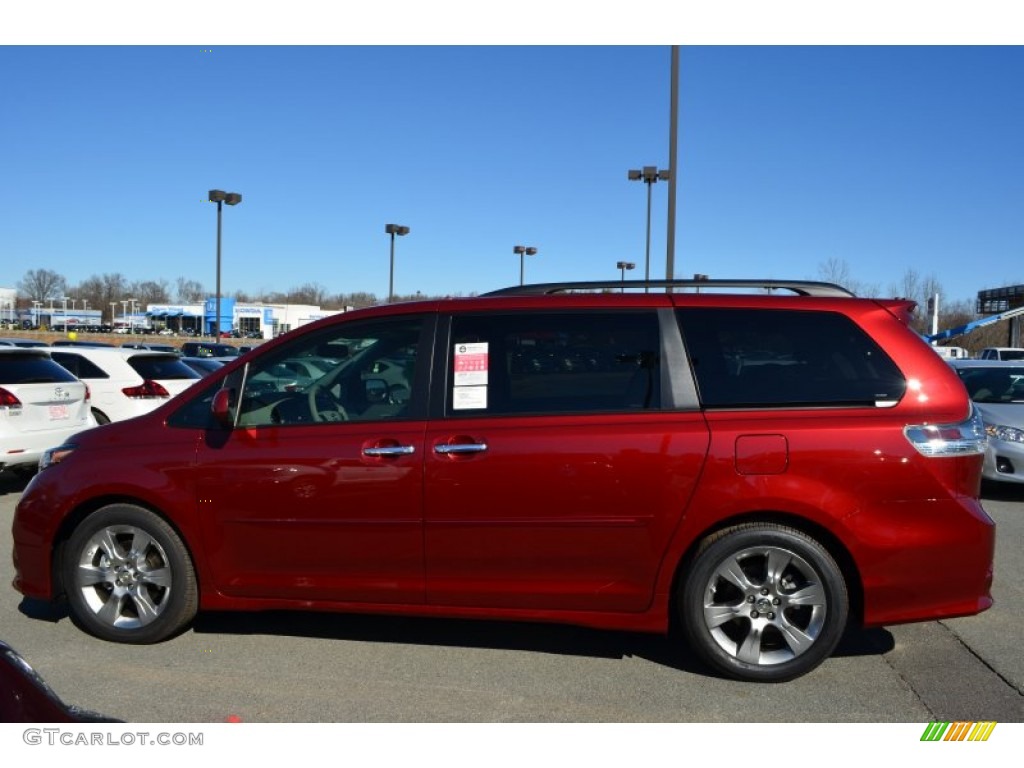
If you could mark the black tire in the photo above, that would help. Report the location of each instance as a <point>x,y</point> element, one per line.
<point>128,576</point>
<point>100,416</point>
<point>763,603</point>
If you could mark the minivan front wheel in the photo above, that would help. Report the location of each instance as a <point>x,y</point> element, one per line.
<point>128,576</point>
<point>763,602</point>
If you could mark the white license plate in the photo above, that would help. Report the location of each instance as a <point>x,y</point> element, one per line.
<point>58,412</point>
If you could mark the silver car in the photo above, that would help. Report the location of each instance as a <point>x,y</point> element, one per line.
<point>997,389</point>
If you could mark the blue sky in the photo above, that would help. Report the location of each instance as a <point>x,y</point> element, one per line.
<point>886,158</point>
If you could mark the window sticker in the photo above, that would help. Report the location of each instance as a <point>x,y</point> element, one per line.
<point>464,398</point>
<point>469,385</point>
<point>471,364</point>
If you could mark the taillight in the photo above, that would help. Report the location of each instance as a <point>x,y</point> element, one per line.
<point>88,394</point>
<point>967,437</point>
<point>8,400</point>
<point>147,390</point>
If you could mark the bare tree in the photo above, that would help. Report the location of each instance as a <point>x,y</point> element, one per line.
<point>357,300</point>
<point>189,291</point>
<point>310,293</point>
<point>834,270</point>
<point>151,292</point>
<point>837,271</point>
<point>42,285</point>
<point>100,291</point>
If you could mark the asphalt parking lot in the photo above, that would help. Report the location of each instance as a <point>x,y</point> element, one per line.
<point>306,667</point>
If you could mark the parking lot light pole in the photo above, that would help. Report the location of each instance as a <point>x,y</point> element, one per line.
<point>523,251</point>
<point>113,314</point>
<point>623,266</point>
<point>401,231</point>
<point>219,197</point>
<point>649,175</point>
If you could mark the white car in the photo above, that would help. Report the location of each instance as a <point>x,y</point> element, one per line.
<point>997,389</point>
<point>1002,353</point>
<point>41,406</point>
<point>126,382</point>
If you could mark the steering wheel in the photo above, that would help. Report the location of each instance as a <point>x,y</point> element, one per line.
<point>324,406</point>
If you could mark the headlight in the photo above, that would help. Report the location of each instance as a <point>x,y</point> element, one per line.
<point>1004,433</point>
<point>55,455</point>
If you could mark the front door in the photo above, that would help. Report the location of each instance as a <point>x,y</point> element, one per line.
<point>316,493</point>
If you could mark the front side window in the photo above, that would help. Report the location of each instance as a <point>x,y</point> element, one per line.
<point>557,362</point>
<point>361,371</point>
<point>786,358</point>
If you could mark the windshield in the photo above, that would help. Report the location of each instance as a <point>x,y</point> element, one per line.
<point>994,385</point>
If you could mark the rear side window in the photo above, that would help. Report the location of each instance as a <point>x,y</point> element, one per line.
<point>766,358</point>
<point>558,362</point>
<point>161,367</point>
<point>31,369</point>
<point>78,365</point>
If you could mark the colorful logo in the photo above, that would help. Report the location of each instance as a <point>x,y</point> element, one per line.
<point>958,731</point>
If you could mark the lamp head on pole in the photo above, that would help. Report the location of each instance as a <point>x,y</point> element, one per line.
<point>395,229</point>
<point>650,174</point>
<point>220,196</point>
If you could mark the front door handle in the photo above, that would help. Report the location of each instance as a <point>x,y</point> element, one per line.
<point>390,450</point>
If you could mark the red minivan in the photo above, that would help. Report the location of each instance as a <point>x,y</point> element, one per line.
<point>757,464</point>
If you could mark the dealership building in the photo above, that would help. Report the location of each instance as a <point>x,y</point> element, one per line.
<point>268,320</point>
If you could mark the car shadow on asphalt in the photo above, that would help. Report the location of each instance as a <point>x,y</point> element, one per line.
<point>557,639</point>
<point>13,482</point>
<point>1001,491</point>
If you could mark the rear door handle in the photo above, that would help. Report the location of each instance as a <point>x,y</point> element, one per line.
<point>448,449</point>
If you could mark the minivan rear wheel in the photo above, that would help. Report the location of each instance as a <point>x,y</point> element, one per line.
<point>763,602</point>
<point>128,576</point>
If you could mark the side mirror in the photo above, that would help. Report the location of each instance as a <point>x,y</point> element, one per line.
<point>376,390</point>
<point>399,394</point>
<point>221,408</point>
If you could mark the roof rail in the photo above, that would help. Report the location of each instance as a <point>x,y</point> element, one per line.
<point>799,287</point>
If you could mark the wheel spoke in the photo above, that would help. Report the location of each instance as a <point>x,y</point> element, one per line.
<point>158,577</point>
<point>797,640</point>
<point>90,575</point>
<point>717,615</point>
<point>111,610</point>
<point>109,546</point>
<point>144,606</point>
<point>141,542</point>
<point>812,594</point>
<point>731,571</point>
<point>776,563</point>
<point>749,651</point>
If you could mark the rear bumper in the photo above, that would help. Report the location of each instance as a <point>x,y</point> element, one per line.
<point>925,561</point>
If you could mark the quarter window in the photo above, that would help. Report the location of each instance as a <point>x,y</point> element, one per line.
<point>766,358</point>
